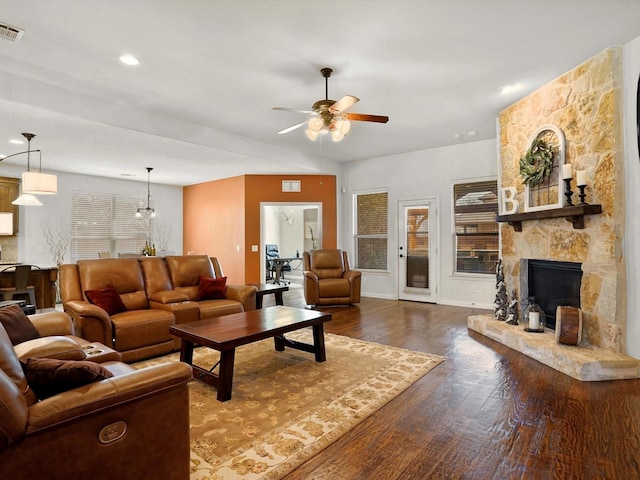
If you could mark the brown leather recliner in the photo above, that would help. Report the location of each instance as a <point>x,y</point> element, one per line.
<point>328,280</point>
<point>138,333</point>
<point>131,426</point>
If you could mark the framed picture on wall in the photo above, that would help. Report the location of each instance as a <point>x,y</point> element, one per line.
<point>541,169</point>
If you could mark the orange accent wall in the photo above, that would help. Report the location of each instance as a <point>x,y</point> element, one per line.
<point>222,214</point>
<point>213,224</point>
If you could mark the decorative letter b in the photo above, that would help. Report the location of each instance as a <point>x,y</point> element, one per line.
<point>508,204</point>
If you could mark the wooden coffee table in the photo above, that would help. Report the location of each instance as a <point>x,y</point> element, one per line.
<point>227,332</point>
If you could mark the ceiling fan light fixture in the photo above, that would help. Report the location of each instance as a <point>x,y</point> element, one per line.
<point>343,125</point>
<point>311,134</point>
<point>316,124</point>
<point>336,135</point>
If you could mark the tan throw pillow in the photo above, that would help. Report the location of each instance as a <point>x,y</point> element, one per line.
<point>18,326</point>
<point>48,376</point>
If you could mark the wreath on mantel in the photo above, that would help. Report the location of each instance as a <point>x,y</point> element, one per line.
<point>537,162</point>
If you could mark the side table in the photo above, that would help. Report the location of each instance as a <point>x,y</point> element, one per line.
<point>268,289</point>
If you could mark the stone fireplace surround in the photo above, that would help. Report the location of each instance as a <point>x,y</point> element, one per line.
<point>586,105</point>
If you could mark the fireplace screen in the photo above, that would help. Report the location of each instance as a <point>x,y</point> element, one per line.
<point>554,284</point>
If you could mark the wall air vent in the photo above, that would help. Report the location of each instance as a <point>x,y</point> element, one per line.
<point>9,32</point>
<point>290,185</point>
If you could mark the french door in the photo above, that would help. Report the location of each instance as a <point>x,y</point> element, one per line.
<point>418,250</point>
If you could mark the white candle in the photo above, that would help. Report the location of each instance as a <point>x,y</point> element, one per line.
<point>566,171</point>
<point>581,176</point>
<point>534,320</point>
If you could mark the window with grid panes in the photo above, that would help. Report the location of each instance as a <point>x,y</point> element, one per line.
<point>106,223</point>
<point>475,205</point>
<point>371,233</point>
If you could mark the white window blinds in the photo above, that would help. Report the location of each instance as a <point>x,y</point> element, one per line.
<point>106,223</point>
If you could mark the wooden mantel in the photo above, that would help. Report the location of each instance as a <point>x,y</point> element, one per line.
<point>574,214</point>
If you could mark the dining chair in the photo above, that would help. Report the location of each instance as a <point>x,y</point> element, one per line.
<point>21,284</point>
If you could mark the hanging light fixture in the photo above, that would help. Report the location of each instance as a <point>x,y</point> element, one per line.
<point>35,183</point>
<point>148,212</point>
<point>27,200</point>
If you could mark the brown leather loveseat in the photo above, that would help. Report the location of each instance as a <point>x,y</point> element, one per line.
<point>130,426</point>
<point>154,293</point>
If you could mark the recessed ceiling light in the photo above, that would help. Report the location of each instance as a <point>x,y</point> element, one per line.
<point>457,136</point>
<point>129,60</point>
<point>16,141</point>
<point>508,88</point>
<point>472,133</point>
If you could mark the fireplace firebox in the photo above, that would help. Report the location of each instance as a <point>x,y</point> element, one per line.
<point>553,284</point>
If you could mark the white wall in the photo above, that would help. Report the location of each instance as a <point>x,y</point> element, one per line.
<point>32,245</point>
<point>631,240</point>
<point>418,175</point>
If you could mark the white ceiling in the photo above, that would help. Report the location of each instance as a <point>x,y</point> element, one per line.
<point>199,105</point>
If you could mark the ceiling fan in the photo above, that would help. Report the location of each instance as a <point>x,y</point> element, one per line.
<point>329,116</point>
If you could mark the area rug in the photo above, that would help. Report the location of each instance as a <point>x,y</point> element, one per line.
<point>286,407</point>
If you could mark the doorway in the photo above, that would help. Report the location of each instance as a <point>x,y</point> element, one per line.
<point>295,227</point>
<point>418,250</point>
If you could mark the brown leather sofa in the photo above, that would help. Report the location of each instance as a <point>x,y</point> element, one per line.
<point>130,426</point>
<point>156,292</point>
<point>328,280</point>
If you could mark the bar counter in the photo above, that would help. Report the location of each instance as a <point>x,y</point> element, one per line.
<point>43,280</point>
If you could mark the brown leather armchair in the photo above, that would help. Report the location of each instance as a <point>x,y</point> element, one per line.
<point>130,426</point>
<point>328,280</point>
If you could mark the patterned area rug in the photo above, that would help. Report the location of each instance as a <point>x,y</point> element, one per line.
<point>286,407</point>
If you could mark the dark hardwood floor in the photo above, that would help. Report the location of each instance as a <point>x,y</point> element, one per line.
<point>487,412</point>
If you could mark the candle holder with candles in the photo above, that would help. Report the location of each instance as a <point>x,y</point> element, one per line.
<point>582,195</point>
<point>533,316</point>
<point>567,191</point>
<point>566,176</point>
<point>582,184</point>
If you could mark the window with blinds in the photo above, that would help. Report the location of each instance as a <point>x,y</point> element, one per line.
<point>106,223</point>
<point>371,236</point>
<point>475,206</point>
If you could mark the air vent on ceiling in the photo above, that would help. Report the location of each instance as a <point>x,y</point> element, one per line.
<point>9,32</point>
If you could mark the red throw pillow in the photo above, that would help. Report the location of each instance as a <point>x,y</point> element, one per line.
<point>211,288</point>
<point>106,298</point>
<point>18,326</point>
<point>48,376</point>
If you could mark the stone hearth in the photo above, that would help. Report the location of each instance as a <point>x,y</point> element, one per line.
<point>585,363</point>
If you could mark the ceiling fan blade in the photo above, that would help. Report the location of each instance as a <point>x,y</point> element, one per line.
<point>362,117</point>
<point>292,127</point>
<point>308,112</point>
<point>344,103</point>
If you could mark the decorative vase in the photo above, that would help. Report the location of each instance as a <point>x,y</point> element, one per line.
<point>533,316</point>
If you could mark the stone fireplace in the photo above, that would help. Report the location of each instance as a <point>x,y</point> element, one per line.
<point>586,105</point>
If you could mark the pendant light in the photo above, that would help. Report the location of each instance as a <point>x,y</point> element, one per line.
<point>148,212</point>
